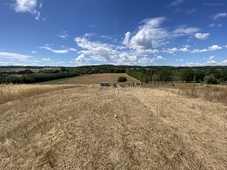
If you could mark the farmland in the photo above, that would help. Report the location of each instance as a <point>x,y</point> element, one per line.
<point>59,127</point>
<point>94,79</point>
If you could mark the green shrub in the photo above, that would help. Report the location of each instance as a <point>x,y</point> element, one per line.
<point>121,79</point>
<point>114,85</point>
<point>210,80</point>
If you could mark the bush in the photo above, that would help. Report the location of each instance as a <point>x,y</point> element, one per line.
<point>121,79</point>
<point>210,80</point>
<point>114,85</point>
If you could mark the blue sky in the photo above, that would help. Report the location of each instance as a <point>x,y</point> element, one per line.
<point>119,32</point>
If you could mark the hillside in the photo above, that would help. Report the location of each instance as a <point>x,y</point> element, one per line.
<point>146,128</point>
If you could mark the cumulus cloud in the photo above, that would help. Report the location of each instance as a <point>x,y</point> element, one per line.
<point>81,59</point>
<point>96,49</point>
<point>224,62</point>
<point>151,35</point>
<point>202,36</point>
<point>146,61</point>
<point>55,51</point>
<point>160,58</point>
<point>126,59</point>
<point>219,15</point>
<point>27,6</point>
<point>214,47</point>
<point>185,49</point>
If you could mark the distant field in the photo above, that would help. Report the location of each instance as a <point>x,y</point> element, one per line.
<point>94,79</point>
<point>24,68</point>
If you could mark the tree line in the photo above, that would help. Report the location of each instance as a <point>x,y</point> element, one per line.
<point>168,74</point>
<point>143,74</point>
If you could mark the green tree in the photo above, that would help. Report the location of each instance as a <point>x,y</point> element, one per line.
<point>187,75</point>
<point>210,80</point>
<point>122,79</point>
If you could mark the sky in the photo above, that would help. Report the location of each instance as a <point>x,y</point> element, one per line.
<point>120,32</point>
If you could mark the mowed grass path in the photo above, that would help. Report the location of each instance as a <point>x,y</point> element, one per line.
<point>94,79</point>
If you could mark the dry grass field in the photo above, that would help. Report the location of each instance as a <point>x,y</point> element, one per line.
<point>94,79</point>
<point>56,127</point>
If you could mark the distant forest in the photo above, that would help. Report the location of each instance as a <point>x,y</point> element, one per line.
<point>148,74</point>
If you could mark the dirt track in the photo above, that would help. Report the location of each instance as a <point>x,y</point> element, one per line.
<point>138,129</point>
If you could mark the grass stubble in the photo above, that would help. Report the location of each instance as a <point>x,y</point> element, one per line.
<point>155,128</point>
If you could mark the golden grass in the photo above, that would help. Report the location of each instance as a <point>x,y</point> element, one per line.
<point>95,79</point>
<point>216,93</point>
<point>13,92</point>
<point>141,129</point>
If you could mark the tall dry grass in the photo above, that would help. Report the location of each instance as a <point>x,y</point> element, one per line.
<point>216,93</point>
<point>13,92</point>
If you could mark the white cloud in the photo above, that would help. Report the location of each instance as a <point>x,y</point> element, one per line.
<point>202,36</point>
<point>219,15</point>
<point>63,35</point>
<point>14,56</point>
<point>219,25</point>
<point>106,37</point>
<point>38,15</point>
<point>212,62</point>
<point>46,59</point>
<point>81,59</point>
<point>185,31</point>
<point>176,3</point>
<point>126,59</point>
<point>179,60</point>
<point>214,47</point>
<point>146,61</point>
<point>152,35</point>
<point>186,46</point>
<point>55,51</point>
<point>34,52</point>
<point>92,26</point>
<point>225,46</point>
<point>27,6</point>
<point>189,11</point>
<point>212,25</point>
<point>224,62</point>
<point>72,49</point>
<point>160,58</point>
<point>174,49</point>
<point>211,57</point>
<point>103,51</point>
<point>198,51</point>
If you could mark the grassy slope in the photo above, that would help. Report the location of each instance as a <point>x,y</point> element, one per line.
<point>154,129</point>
